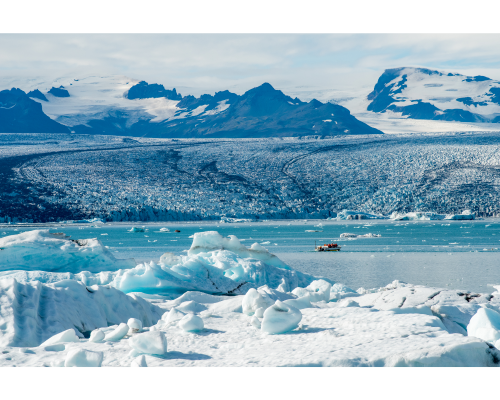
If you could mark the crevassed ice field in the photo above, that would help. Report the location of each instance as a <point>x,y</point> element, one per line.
<point>61,177</point>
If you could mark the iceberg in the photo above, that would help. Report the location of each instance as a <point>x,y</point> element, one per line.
<point>213,264</point>
<point>33,312</point>
<point>355,236</point>
<point>83,358</point>
<point>485,324</point>
<point>191,323</point>
<point>55,252</point>
<point>280,318</point>
<point>154,342</point>
<point>349,215</point>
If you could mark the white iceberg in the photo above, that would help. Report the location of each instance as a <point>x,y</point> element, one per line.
<point>280,318</point>
<point>214,264</point>
<point>191,323</point>
<point>173,315</point>
<point>355,236</point>
<point>349,215</point>
<point>134,324</point>
<point>55,252</point>
<point>83,358</point>
<point>252,301</point>
<point>33,312</point>
<point>485,324</point>
<point>97,336</point>
<point>118,333</point>
<point>63,337</point>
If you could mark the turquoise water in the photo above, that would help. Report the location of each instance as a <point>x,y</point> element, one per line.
<point>457,254</point>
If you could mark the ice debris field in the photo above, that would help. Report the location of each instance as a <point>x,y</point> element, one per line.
<point>71,303</point>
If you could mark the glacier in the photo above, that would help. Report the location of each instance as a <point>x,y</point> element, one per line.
<point>75,177</point>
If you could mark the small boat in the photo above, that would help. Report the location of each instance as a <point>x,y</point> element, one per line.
<point>177,230</point>
<point>327,247</point>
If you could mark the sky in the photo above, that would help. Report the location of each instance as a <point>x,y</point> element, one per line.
<point>205,63</point>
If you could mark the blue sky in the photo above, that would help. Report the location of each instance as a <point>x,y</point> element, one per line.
<point>204,63</point>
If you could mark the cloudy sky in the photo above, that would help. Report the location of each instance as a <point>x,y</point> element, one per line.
<point>204,63</point>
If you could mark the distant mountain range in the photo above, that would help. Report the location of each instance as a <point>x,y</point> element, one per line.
<point>421,93</point>
<point>117,106</point>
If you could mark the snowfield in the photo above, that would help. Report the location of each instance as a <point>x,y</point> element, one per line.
<point>68,322</point>
<point>71,177</point>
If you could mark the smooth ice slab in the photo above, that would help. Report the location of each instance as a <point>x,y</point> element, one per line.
<point>83,358</point>
<point>63,337</point>
<point>154,342</point>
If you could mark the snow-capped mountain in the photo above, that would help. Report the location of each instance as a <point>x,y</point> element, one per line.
<point>421,93</point>
<point>118,105</point>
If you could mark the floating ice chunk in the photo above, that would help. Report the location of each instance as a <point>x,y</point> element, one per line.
<point>259,313</point>
<point>164,230</point>
<point>255,322</point>
<point>280,318</point>
<point>42,250</point>
<point>192,307</point>
<point>191,323</point>
<point>154,342</point>
<point>485,324</point>
<point>173,315</point>
<point>118,334</point>
<point>134,324</point>
<point>63,337</point>
<point>252,301</point>
<point>83,358</point>
<point>96,336</point>
<point>139,362</point>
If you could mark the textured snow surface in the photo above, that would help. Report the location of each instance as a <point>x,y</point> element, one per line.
<point>328,335</point>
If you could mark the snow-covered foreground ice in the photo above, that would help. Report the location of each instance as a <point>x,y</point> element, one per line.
<point>276,317</point>
<point>329,334</point>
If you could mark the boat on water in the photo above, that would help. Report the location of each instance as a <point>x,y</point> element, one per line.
<point>327,247</point>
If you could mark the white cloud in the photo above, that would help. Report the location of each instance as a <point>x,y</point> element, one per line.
<point>196,63</point>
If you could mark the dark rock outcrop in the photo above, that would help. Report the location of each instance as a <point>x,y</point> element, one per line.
<point>59,92</point>
<point>144,90</point>
<point>20,114</point>
<point>36,94</point>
